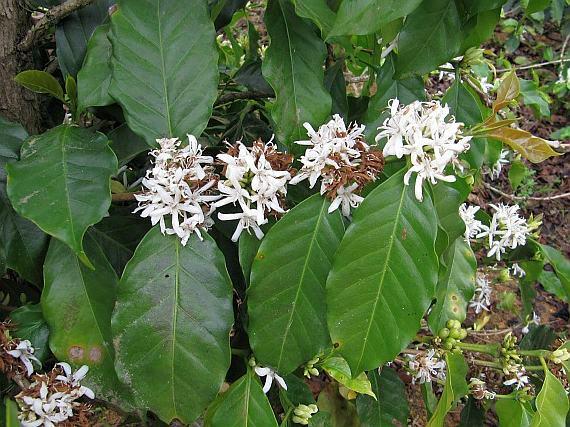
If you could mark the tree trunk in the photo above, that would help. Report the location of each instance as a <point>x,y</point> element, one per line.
<point>16,103</point>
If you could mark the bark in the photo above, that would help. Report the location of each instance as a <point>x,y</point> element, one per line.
<point>16,103</point>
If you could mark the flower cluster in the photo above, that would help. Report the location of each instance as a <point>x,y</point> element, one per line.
<point>16,356</point>
<point>519,379</point>
<point>53,398</point>
<point>423,131</point>
<point>179,186</point>
<point>472,226</point>
<point>482,298</point>
<point>344,162</point>
<point>426,367</point>
<point>479,389</point>
<point>256,183</point>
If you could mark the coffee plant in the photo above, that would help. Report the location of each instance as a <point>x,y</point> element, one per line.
<point>255,214</point>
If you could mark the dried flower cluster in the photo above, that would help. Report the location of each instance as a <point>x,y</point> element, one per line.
<point>426,367</point>
<point>256,183</point>
<point>423,131</point>
<point>344,162</point>
<point>179,186</point>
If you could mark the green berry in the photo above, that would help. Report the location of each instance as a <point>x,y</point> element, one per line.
<point>443,333</point>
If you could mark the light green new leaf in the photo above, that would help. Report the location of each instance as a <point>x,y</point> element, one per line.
<point>94,78</point>
<point>430,37</point>
<point>338,369</point>
<point>165,72</point>
<point>287,314</point>
<point>368,16</point>
<point>318,11</point>
<point>465,107</point>
<point>77,303</point>
<point>455,286</point>
<point>171,324</point>
<point>392,405</point>
<point>243,405</point>
<point>293,66</point>
<point>407,91</point>
<point>40,82</point>
<point>62,182</point>
<point>455,388</point>
<point>512,413</point>
<point>383,276</point>
<point>551,403</point>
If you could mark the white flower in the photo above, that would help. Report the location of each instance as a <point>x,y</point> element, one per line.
<point>426,368</point>
<point>535,320</point>
<point>346,198</point>
<point>507,230</point>
<point>269,375</point>
<point>517,270</point>
<point>479,389</point>
<point>74,378</point>
<point>520,380</point>
<point>248,219</point>
<point>423,131</point>
<point>482,298</point>
<point>498,166</point>
<point>472,226</point>
<point>25,352</point>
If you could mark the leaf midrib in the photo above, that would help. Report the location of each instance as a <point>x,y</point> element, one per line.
<point>163,66</point>
<point>174,320</point>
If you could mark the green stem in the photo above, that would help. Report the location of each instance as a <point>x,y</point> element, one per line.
<point>535,353</point>
<point>498,366</point>
<point>479,348</point>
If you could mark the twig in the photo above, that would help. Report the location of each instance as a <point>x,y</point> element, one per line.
<point>233,96</point>
<point>357,79</point>
<point>527,67</point>
<point>513,197</point>
<point>123,197</point>
<point>51,17</point>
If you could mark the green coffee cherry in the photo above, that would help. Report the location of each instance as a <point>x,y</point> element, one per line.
<point>462,334</point>
<point>455,334</point>
<point>504,275</point>
<point>443,333</point>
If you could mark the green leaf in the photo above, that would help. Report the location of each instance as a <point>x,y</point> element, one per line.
<point>247,249</point>
<point>465,106</point>
<point>455,388</point>
<point>392,405</point>
<point>40,82</point>
<point>551,403</point>
<point>126,144</point>
<point>533,6</point>
<point>71,95</point>
<point>164,62</point>
<point>94,78</point>
<point>336,85</point>
<point>342,412</point>
<point>287,317</point>
<point>171,325</point>
<point>293,66</point>
<point>448,196</point>
<point>11,137</point>
<point>517,172</point>
<point>551,283</point>
<point>472,415</point>
<point>480,27</point>
<point>559,263</point>
<point>77,303</point>
<point>243,405</point>
<point>383,276</point>
<point>512,413</point>
<point>318,11</point>
<point>534,98</point>
<point>338,369</point>
<point>73,33</point>
<point>407,91</point>
<point>12,414</point>
<point>29,324</point>
<point>62,182</point>
<point>369,16</point>
<point>455,286</point>
<point>430,37</point>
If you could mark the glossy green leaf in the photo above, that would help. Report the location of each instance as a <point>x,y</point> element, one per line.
<point>29,324</point>
<point>559,263</point>
<point>297,392</point>
<point>407,91</point>
<point>40,82</point>
<point>73,33</point>
<point>392,405</point>
<point>473,414</point>
<point>517,172</point>
<point>512,413</point>
<point>293,66</point>
<point>480,27</point>
<point>430,37</point>
<point>164,62</point>
<point>94,78</point>
<point>337,368</point>
<point>455,286</point>
<point>62,182</point>
<point>318,11</point>
<point>243,405</point>
<point>12,414</point>
<point>551,403</point>
<point>171,325</point>
<point>11,137</point>
<point>448,197</point>
<point>466,107</point>
<point>533,6</point>
<point>247,249</point>
<point>536,99</point>
<point>551,283</point>
<point>455,388</point>
<point>336,85</point>
<point>383,276</point>
<point>368,16</point>
<point>126,144</point>
<point>77,303</point>
<point>287,316</point>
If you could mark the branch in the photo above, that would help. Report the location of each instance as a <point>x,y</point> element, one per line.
<point>51,17</point>
<point>251,94</point>
<point>528,67</point>
<point>513,197</point>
